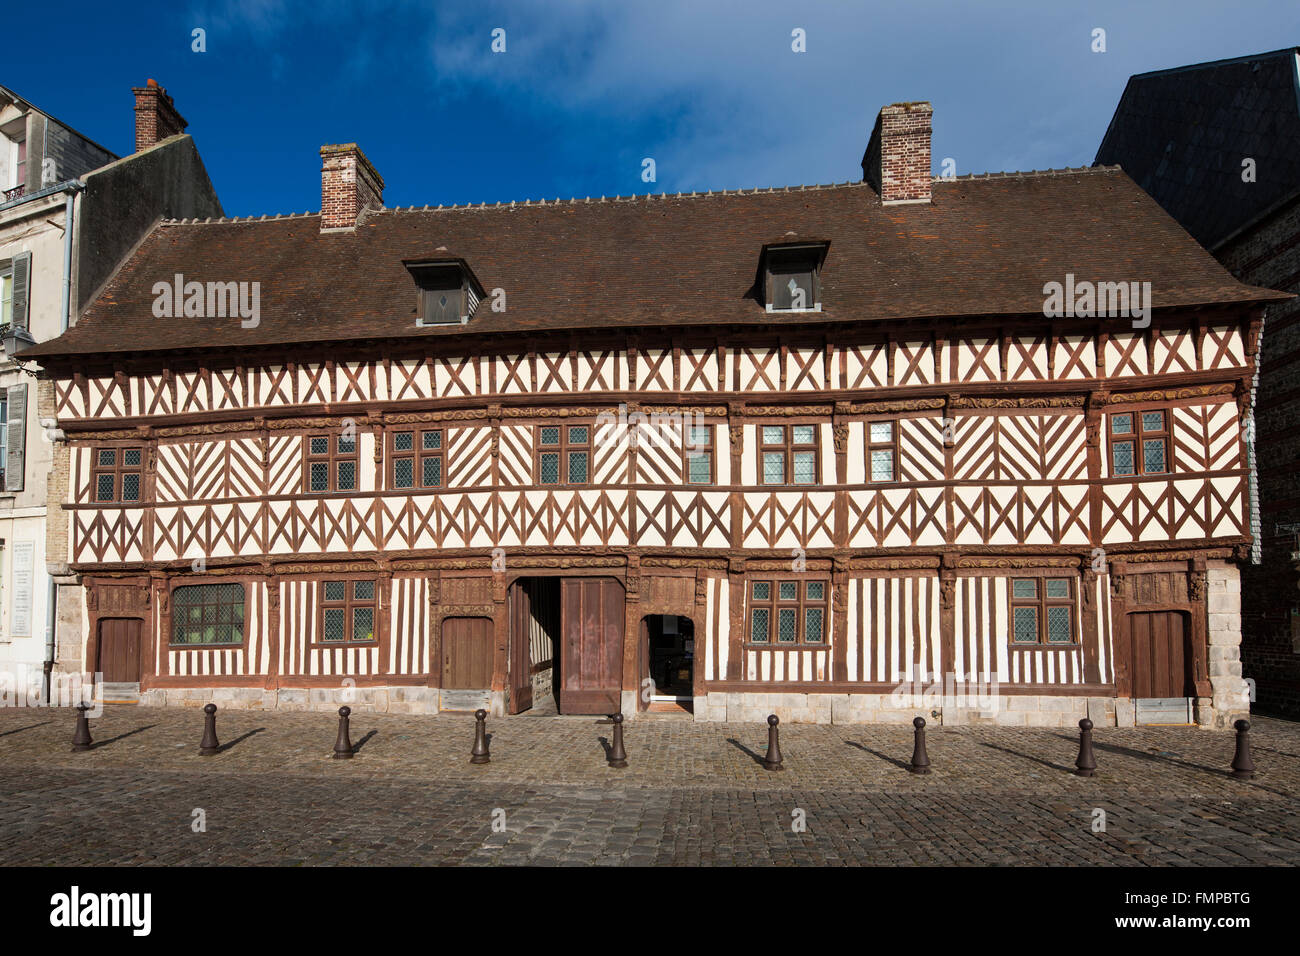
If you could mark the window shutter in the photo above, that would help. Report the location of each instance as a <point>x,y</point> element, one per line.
<point>22,280</point>
<point>16,437</point>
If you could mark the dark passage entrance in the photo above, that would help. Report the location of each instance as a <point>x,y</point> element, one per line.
<point>668,660</point>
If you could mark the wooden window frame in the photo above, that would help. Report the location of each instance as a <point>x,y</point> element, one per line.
<point>790,448</point>
<point>1137,436</point>
<point>347,605</point>
<point>784,261</point>
<point>332,458</point>
<point>801,604</point>
<point>417,455</point>
<point>118,470</point>
<point>1041,603</point>
<point>192,583</point>
<point>563,448</point>
<point>707,448</point>
<point>891,446</point>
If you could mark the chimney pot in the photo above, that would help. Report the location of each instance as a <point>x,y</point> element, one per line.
<point>156,117</point>
<point>897,161</point>
<point>349,186</point>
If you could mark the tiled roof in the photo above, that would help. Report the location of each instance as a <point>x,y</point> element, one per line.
<point>985,246</point>
<point>1182,135</point>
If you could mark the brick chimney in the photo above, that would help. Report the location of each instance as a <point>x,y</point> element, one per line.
<point>897,160</point>
<point>348,186</point>
<point>155,115</point>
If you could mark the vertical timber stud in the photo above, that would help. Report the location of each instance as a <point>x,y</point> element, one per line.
<point>433,664</point>
<point>1200,627</point>
<point>947,616</point>
<point>840,621</point>
<point>272,584</point>
<point>735,618</point>
<point>632,632</point>
<point>840,535</point>
<point>702,631</point>
<point>1089,624</point>
<point>1094,407</point>
<point>736,566</point>
<point>501,633</point>
<point>1121,644</point>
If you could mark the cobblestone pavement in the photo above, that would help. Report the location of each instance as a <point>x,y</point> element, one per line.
<point>693,794</point>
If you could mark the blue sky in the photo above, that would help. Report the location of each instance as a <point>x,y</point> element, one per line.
<point>710,89</point>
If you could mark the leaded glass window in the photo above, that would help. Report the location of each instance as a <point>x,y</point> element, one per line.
<point>563,454</point>
<point>1042,611</point>
<point>788,612</point>
<point>205,614</point>
<point>348,611</point>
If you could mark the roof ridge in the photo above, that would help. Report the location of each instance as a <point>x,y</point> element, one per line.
<point>1026,173</point>
<point>650,197</point>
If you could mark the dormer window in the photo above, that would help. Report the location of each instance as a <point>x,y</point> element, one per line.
<point>448,291</point>
<point>792,277</point>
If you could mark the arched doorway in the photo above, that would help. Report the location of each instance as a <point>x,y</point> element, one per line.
<point>667,654</point>
<point>1160,667</point>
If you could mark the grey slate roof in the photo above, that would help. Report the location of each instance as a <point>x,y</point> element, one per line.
<point>1182,134</point>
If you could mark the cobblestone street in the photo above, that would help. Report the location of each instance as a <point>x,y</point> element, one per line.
<point>693,794</point>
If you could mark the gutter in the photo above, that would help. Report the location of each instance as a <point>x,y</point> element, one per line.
<point>70,189</point>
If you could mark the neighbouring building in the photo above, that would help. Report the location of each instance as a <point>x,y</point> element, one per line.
<point>1218,146</point>
<point>800,450</point>
<point>70,211</point>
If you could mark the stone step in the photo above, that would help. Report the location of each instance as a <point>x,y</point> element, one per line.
<point>464,700</point>
<point>120,692</point>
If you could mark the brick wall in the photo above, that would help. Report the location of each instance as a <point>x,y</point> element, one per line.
<point>1268,255</point>
<point>348,185</point>
<point>897,160</point>
<point>156,117</point>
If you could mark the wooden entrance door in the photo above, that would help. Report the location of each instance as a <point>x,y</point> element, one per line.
<point>591,662</point>
<point>1159,667</point>
<point>467,653</point>
<point>521,663</point>
<point>120,650</point>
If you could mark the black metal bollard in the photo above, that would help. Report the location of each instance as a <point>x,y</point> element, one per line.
<point>773,759</point>
<point>617,755</point>
<point>343,745</point>
<point>81,737</point>
<point>1243,768</point>
<point>209,745</point>
<point>480,752</point>
<point>1086,762</point>
<point>920,759</point>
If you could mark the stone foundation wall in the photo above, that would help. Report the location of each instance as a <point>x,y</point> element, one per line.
<point>374,700</point>
<point>1230,697</point>
<point>1002,711</point>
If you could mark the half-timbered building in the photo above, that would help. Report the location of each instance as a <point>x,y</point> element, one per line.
<point>830,452</point>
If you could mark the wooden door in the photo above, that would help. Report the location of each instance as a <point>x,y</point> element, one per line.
<point>1159,666</point>
<point>119,650</point>
<point>467,653</point>
<point>591,662</point>
<point>521,660</point>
